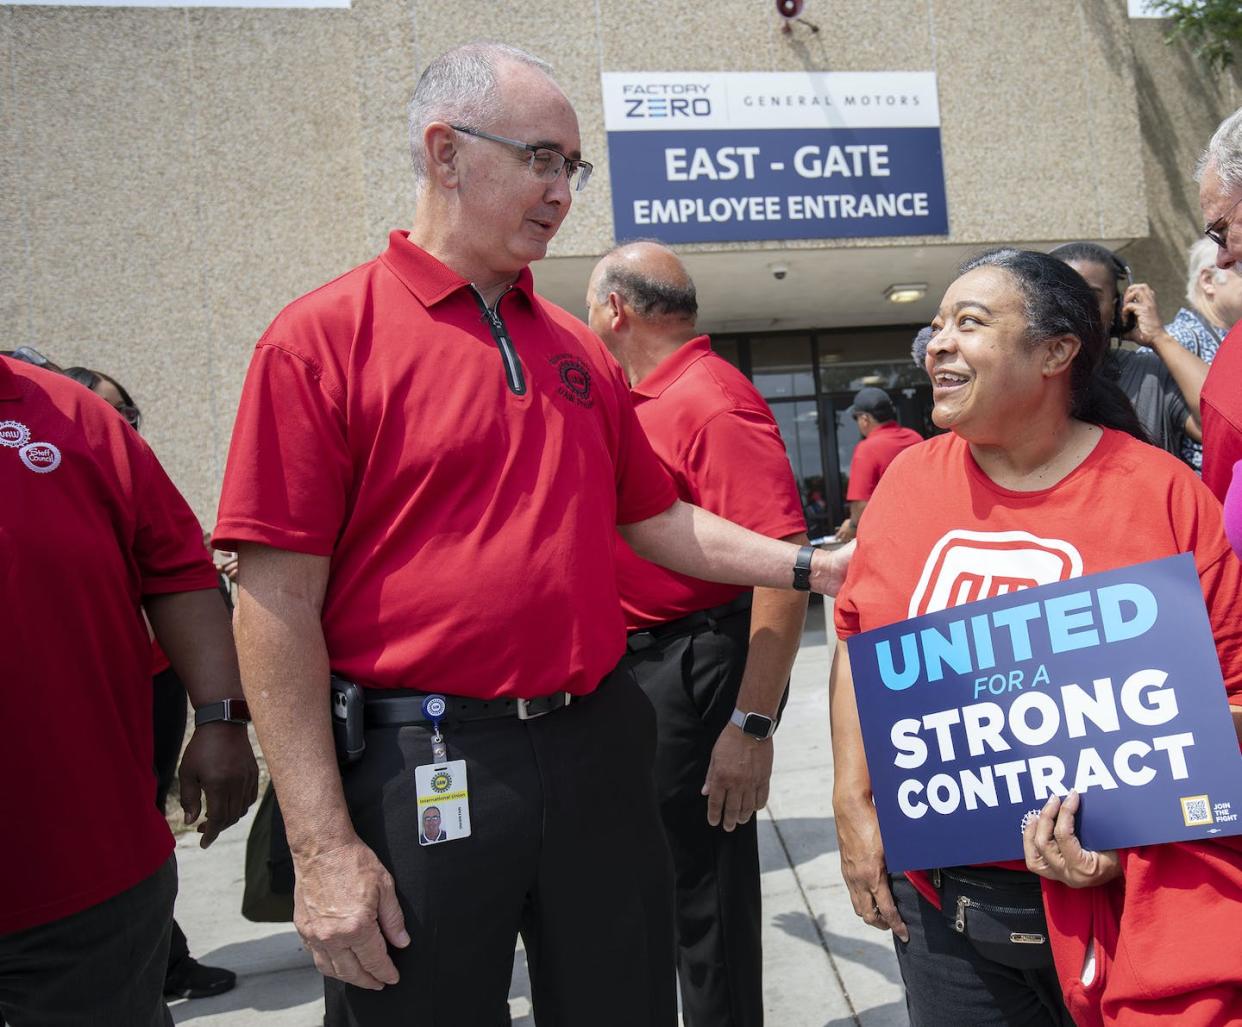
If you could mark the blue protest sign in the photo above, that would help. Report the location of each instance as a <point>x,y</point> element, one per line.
<point>1109,684</point>
<point>719,157</point>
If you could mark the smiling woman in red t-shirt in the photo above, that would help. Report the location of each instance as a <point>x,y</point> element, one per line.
<point>1042,449</point>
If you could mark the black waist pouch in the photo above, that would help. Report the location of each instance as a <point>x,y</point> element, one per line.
<point>1001,913</point>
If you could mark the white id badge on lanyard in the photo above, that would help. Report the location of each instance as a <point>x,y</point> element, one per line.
<point>443,802</point>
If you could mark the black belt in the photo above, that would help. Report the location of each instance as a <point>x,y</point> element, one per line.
<point>701,620</point>
<point>384,710</point>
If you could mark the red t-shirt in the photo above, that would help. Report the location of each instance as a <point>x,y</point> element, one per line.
<point>90,525</point>
<point>1125,504</point>
<point>718,440</point>
<point>873,455</point>
<point>1221,408</point>
<point>470,526</point>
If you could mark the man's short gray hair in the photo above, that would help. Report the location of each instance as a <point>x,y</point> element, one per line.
<point>459,87</point>
<point>1202,256</point>
<point>1224,153</point>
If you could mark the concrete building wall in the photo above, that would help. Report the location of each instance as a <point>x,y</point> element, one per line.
<point>172,177</point>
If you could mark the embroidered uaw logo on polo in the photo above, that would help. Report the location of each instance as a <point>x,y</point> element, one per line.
<point>13,434</point>
<point>575,379</point>
<point>40,457</point>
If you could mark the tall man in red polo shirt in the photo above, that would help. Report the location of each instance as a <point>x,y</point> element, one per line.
<point>1220,195</point>
<point>713,661</point>
<point>428,467</point>
<point>92,532</point>
<point>882,439</point>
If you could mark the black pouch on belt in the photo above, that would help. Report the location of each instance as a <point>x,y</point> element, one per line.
<point>1001,913</point>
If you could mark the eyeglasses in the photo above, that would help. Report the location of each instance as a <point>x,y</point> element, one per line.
<point>431,816</point>
<point>1218,230</point>
<point>544,161</point>
<point>131,413</point>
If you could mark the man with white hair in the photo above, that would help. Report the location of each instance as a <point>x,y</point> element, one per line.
<point>428,468</point>
<point>1219,174</point>
<point>1213,306</point>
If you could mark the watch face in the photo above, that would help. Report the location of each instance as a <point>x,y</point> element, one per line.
<point>757,724</point>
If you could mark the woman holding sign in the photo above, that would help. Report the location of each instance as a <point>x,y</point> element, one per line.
<point>1044,476</point>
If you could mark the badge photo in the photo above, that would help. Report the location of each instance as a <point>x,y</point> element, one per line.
<point>443,802</point>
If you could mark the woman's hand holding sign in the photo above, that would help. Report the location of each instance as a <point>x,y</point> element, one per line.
<point>1053,850</point>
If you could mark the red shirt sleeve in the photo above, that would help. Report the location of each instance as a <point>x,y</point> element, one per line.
<point>737,467</point>
<point>644,488</point>
<point>289,470</point>
<point>1199,528</point>
<point>864,473</point>
<point>168,540</point>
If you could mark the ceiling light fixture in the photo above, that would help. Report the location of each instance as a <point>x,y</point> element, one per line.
<point>906,293</point>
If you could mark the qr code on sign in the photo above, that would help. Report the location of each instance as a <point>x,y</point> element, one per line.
<point>1196,810</point>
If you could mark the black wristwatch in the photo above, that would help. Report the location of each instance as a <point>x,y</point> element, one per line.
<point>802,569</point>
<point>759,727</point>
<point>232,711</point>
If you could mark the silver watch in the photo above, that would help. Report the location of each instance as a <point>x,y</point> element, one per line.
<point>756,725</point>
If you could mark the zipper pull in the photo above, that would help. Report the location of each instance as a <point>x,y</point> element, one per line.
<point>959,924</point>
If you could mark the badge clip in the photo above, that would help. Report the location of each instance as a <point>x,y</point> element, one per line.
<point>434,708</point>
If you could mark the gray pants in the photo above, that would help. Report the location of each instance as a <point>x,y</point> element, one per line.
<point>101,967</point>
<point>948,982</point>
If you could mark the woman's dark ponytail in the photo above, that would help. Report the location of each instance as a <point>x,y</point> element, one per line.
<point>1098,399</point>
<point>1059,302</point>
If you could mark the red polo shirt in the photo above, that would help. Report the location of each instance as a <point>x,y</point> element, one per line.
<point>872,456</point>
<point>89,524</point>
<point>717,438</point>
<point>470,525</point>
<point>1221,409</point>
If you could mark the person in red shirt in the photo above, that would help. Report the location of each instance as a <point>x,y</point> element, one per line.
<point>186,976</point>
<point>1043,457</point>
<point>92,533</point>
<point>427,471</point>
<point>713,660</point>
<point>882,439</point>
<point>1220,196</point>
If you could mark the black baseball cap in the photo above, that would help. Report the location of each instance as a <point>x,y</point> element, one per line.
<point>872,401</point>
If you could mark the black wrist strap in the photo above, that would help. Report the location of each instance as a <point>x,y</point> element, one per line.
<point>802,569</point>
<point>232,711</point>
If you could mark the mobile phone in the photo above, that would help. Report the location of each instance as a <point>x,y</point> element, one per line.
<point>347,721</point>
<point>32,356</point>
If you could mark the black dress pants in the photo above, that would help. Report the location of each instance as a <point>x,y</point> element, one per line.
<point>101,967</point>
<point>565,847</point>
<point>692,681</point>
<point>169,708</point>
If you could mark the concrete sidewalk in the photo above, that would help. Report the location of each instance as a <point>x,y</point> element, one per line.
<point>823,966</point>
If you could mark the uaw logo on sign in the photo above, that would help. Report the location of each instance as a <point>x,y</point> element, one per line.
<point>965,566</point>
<point>40,457</point>
<point>13,434</point>
<point>575,379</point>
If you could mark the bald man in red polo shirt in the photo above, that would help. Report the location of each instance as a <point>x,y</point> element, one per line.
<point>428,469</point>
<point>713,659</point>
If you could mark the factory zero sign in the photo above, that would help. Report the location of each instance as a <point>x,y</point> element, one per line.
<point>729,157</point>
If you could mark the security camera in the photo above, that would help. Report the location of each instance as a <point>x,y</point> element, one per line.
<point>779,271</point>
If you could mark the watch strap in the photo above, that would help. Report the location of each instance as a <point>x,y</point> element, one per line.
<point>802,569</point>
<point>233,711</point>
<point>750,723</point>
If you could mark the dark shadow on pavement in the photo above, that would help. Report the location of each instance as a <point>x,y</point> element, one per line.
<point>274,954</point>
<point>874,955</point>
<point>804,838</point>
<point>264,993</point>
<point>890,1013</point>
